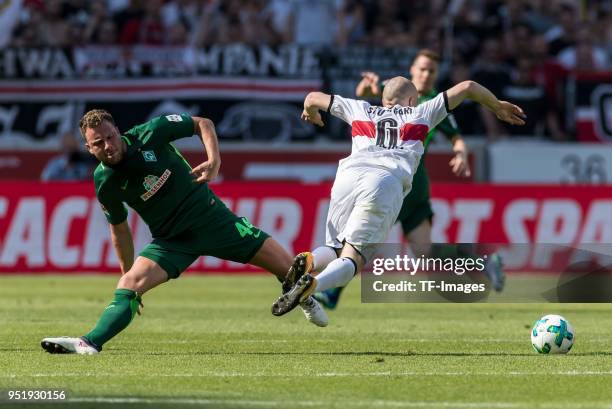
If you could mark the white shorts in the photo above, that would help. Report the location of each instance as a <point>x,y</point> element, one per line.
<point>365,203</point>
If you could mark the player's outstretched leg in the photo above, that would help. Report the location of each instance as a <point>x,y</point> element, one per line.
<point>144,275</point>
<point>275,259</point>
<point>493,265</point>
<point>495,272</point>
<point>338,273</point>
<point>300,292</point>
<point>302,264</point>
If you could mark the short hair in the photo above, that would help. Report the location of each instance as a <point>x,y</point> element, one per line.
<point>93,119</point>
<point>396,89</point>
<point>429,53</point>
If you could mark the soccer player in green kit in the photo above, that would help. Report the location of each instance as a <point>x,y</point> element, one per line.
<point>144,170</point>
<point>416,213</point>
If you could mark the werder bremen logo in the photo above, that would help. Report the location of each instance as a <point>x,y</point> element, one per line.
<point>153,183</point>
<point>150,181</point>
<point>149,156</point>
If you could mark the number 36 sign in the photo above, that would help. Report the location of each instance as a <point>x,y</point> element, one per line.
<point>540,162</point>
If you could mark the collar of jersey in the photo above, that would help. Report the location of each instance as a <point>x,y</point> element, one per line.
<point>133,146</point>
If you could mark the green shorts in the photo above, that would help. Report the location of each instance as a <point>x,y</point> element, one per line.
<point>416,207</point>
<point>219,233</point>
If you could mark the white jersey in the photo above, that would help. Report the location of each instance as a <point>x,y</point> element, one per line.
<point>388,138</point>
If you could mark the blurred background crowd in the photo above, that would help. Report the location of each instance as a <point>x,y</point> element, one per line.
<point>524,51</point>
<point>484,32</point>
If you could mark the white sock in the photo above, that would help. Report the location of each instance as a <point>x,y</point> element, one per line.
<point>338,273</point>
<point>322,256</point>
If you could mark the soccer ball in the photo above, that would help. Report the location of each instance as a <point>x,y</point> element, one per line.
<point>552,334</point>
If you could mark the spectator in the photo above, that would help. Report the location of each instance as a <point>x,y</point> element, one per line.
<point>563,34</point>
<point>584,55</point>
<point>28,33</point>
<point>133,11</point>
<point>467,30</point>
<point>255,29</point>
<point>55,28</point>
<point>491,71</point>
<point>322,14</point>
<point>539,17</point>
<point>511,14</point>
<point>548,73</point>
<point>9,18</point>
<point>518,42</point>
<point>71,165</point>
<point>468,110</point>
<point>529,95</point>
<point>77,11</point>
<point>278,13</point>
<point>146,30</point>
<point>98,13</point>
<point>186,12</point>
<point>106,33</point>
<point>178,35</point>
<point>351,23</point>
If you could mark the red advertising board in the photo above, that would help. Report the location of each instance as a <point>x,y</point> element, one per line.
<point>60,227</point>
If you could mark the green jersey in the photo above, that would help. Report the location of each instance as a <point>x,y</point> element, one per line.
<point>153,179</point>
<point>448,126</point>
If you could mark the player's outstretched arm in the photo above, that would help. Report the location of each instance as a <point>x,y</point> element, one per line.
<point>504,110</point>
<point>208,170</point>
<point>121,237</point>
<point>314,102</point>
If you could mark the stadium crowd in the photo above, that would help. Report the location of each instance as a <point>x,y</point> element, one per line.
<point>577,32</point>
<point>524,47</point>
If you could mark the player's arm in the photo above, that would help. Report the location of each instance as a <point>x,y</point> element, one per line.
<point>208,170</point>
<point>503,110</point>
<point>121,237</point>
<point>368,87</point>
<point>313,103</point>
<point>459,163</point>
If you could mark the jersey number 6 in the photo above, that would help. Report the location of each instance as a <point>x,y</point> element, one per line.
<point>387,133</point>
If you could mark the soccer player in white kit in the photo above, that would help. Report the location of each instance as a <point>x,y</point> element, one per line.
<point>373,180</point>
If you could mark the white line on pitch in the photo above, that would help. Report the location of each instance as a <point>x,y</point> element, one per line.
<point>309,374</point>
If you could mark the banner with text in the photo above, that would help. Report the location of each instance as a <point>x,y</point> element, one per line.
<point>60,227</point>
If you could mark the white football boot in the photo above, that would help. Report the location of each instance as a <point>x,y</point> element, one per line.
<point>314,312</point>
<point>66,345</point>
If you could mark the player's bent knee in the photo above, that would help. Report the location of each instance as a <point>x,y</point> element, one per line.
<point>133,282</point>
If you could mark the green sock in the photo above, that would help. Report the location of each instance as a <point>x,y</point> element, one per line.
<point>115,318</point>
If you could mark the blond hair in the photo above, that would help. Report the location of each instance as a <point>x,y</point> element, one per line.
<point>397,89</point>
<point>429,53</point>
<point>94,118</point>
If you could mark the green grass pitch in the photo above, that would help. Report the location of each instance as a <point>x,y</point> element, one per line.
<point>211,341</point>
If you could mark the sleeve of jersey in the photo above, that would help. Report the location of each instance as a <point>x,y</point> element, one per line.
<point>435,110</point>
<point>345,108</point>
<point>172,127</point>
<point>113,209</point>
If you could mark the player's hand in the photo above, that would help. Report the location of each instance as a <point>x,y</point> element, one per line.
<point>140,307</point>
<point>206,171</point>
<point>368,86</point>
<point>312,116</point>
<point>460,165</point>
<point>510,113</point>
